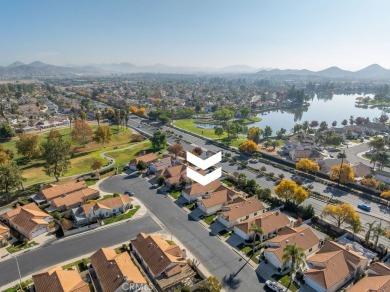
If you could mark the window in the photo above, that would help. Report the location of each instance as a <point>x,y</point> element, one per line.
<point>255,214</point>
<point>247,217</point>
<point>310,249</point>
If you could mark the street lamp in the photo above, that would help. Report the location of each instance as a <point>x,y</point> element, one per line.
<point>20,276</point>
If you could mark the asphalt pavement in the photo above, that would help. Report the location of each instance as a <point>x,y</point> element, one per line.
<point>378,211</point>
<point>220,259</point>
<point>76,246</point>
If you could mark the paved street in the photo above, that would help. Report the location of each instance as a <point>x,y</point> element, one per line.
<point>218,258</point>
<point>378,211</point>
<point>73,247</point>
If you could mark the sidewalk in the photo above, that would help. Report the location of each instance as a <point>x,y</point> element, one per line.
<point>49,238</point>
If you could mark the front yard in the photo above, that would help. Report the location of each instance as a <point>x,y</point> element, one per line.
<point>209,219</point>
<point>125,216</point>
<point>284,280</point>
<point>16,288</point>
<point>175,194</point>
<point>81,265</point>
<point>20,245</point>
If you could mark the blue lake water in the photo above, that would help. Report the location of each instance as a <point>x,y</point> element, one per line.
<point>338,108</point>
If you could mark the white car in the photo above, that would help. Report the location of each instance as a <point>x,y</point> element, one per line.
<point>273,286</point>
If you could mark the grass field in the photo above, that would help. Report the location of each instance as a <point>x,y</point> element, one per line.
<point>190,126</point>
<point>127,155</point>
<point>82,157</point>
<point>125,216</point>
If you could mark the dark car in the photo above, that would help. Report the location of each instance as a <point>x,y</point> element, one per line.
<point>130,193</point>
<point>364,207</point>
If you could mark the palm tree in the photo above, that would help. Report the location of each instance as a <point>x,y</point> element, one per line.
<point>341,156</point>
<point>293,257</point>
<point>257,232</point>
<point>378,231</point>
<point>369,230</point>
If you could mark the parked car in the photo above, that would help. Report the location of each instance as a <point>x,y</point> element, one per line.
<point>364,207</point>
<point>273,286</point>
<point>130,193</point>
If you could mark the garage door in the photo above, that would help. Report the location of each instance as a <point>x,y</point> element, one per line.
<point>38,232</point>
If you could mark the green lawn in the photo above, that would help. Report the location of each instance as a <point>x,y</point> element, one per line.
<point>209,219</point>
<point>284,280</point>
<point>123,156</point>
<point>175,194</point>
<point>16,288</point>
<point>81,265</point>
<point>224,233</point>
<point>228,183</point>
<point>189,125</point>
<point>170,242</point>
<point>190,206</point>
<point>81,159</point>
<point>119,250</point>
<point>125,216</point>
<point>18,246</point>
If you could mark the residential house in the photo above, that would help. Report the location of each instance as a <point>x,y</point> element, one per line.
<point>147,158</point>
<point>196,190</point>
<point>165,263</point>
<point>377,279</point>
<point>361,170</point>
<point>58,280</point>
<point>174,175</point>
<point>101,209</point>
<point>28,220</point>
<point>235,213</point>
<point>4,235</point>
<point>270,222</point>
<point>327,164</point>
<point>73,200</point>
<point>382,175</point>
<point>333,266</point>
<point>312,154</point>
<point>160,165</point>
<point>215,201</point>
<point>302,236</point>
<point>117,272</point>
<point>55,191</point>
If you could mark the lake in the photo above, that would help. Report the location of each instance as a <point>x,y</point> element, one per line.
<point>338,108</point>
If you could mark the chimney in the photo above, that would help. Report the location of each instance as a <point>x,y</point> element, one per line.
<point>277,213</point>
<point>183,254</point>
<point>125,278</point>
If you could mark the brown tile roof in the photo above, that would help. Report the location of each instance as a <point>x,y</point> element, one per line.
<point>175,170</point>
<point>268,222</point>
<point>218,197</point>
<point>75,197</point>
<point>27,217</point>
<point>108,204</point>
<point>58,190</point>
<point>350,254</point>
<point>3,231</point>
<point>337,268</point>
<point>157,253</point>
<point>242,209</point>
<point>380,269</point>
<point>147,158</point>
<point>114,269</point>
<point>58,280</point>
<point>338,260</point>
<point>16,211</point>
<point>196,189</point>
<point>303,237</point>
<point>163,163</point>
<point>372,284</point>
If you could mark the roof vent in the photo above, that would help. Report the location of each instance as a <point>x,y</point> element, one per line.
<point>302,234</point>
<point>287,240</point>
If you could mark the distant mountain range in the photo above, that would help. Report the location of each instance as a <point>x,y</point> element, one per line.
<point>39,69</point>
<point>373,71</point>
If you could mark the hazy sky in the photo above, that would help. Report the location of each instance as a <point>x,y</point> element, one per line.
<point>312,34</point>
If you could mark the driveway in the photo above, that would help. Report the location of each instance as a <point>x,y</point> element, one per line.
<point>217,257</point>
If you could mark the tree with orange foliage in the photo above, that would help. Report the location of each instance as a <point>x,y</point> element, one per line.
<point>248,146</point>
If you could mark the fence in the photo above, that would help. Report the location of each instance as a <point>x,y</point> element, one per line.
<point>81,229</point>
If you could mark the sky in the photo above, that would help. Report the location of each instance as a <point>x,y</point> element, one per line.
<point>296,34</point>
